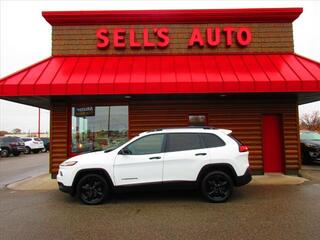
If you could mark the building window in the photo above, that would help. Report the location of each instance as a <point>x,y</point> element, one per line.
<point>198,120</point>
<point>97,128</point>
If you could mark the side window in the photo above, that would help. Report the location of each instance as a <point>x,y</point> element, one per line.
<point>212,140</point>
<point>147,145</point>
<point>183,141</point>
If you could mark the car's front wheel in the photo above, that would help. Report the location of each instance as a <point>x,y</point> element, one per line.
<point>217,186</point>
<point>92,189</point>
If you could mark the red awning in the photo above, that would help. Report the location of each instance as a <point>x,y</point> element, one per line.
<point>165,74</point>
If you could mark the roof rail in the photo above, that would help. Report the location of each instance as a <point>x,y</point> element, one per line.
<point>161,129</point>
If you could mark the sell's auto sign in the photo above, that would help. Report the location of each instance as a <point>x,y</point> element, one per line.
<point>211,37</point>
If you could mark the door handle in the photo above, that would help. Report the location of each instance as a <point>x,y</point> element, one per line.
<point>200,154</point>
<point>151,158</point>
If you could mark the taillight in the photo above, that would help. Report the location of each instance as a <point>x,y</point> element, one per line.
<point>13,144</point>
<point>243,148</point>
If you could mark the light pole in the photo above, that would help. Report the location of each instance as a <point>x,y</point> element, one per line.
<point>39,123</point>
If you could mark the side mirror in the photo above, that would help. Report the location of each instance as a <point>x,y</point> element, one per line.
<point>125,151</point>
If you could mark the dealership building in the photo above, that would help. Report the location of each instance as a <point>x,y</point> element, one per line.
<point>114,74</point>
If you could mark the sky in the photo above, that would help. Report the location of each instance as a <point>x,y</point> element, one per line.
<point>25,38</point>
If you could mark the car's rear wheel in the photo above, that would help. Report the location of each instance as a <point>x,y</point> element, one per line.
<point>5,153</point>
<point>217,186</point>
<point>92,189</point>
<point>27,150</point>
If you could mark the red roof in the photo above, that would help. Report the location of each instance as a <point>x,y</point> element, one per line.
<point>165,74</point>
<point>193,16</point>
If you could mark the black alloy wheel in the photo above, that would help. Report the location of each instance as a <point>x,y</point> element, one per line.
<point>217,186</point>
<point>92,189</point>
<point>5,153</point>
<point>27,150</point>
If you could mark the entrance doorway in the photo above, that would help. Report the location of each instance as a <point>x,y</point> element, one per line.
<point>272,143</point>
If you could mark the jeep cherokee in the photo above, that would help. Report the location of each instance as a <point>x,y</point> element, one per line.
<point>208,159</point>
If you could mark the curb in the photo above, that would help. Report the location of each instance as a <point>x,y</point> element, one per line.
<point>42,182</point>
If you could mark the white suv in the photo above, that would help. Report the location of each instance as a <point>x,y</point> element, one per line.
<point>205,158</point>
<point>34,145</point>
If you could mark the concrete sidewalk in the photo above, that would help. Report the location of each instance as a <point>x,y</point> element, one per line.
<point>44,182</point>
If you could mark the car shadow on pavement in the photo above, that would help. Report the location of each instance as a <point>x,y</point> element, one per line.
<point>152,197</point>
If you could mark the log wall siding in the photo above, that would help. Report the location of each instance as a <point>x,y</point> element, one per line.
<point>244,118</point>
<point>266,37</point>
<point>58,136</point>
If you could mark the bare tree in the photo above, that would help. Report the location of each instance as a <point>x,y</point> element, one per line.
<point>310,121</point>
<point>3,133</point>
<point>16,131</point>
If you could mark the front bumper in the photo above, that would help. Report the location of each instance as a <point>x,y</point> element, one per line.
<point>65,189</point>
<point>19,149</point>
<point>244,179</point>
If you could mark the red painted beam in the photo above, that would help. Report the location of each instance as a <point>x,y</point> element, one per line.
<point>257,15</point>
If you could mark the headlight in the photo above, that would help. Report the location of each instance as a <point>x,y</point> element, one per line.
<point>68,163</point>
<point>310,145</point>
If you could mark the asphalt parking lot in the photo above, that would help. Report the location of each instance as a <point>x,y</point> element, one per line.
<point>13,169</point>
<point>254,212</point>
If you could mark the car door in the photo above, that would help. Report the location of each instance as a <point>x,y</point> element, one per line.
<point>185,154</point>
<point>141,161</point>
<point>218,151</point>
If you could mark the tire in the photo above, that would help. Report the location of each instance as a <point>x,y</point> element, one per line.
<point>217,186</point>
<point>35,151</point>
<point>28,150</point>
<point>16,154</point>
<point>92,189</point>
<point>43,150</point>
<point>5,153</point>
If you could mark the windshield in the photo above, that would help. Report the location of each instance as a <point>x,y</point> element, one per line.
<point>313,136</point>
<point>116,145</point>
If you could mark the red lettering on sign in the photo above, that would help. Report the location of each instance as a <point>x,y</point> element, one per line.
<point>196,38</point>
<point>118,38</point>
<point>133,43</point>
<point>159,37</point>
<point>102,35</point>
<point>228,31</point>
<point>163,37</point>
<point>244,36</point>
<point>216,40</point>
<point>146,42</point>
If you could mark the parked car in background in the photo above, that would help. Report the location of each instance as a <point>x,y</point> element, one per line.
<point>11,145</point>
<point>208,159</point>
<point>310,147</point>
<point>34,145</point>
<point>46,143</point>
